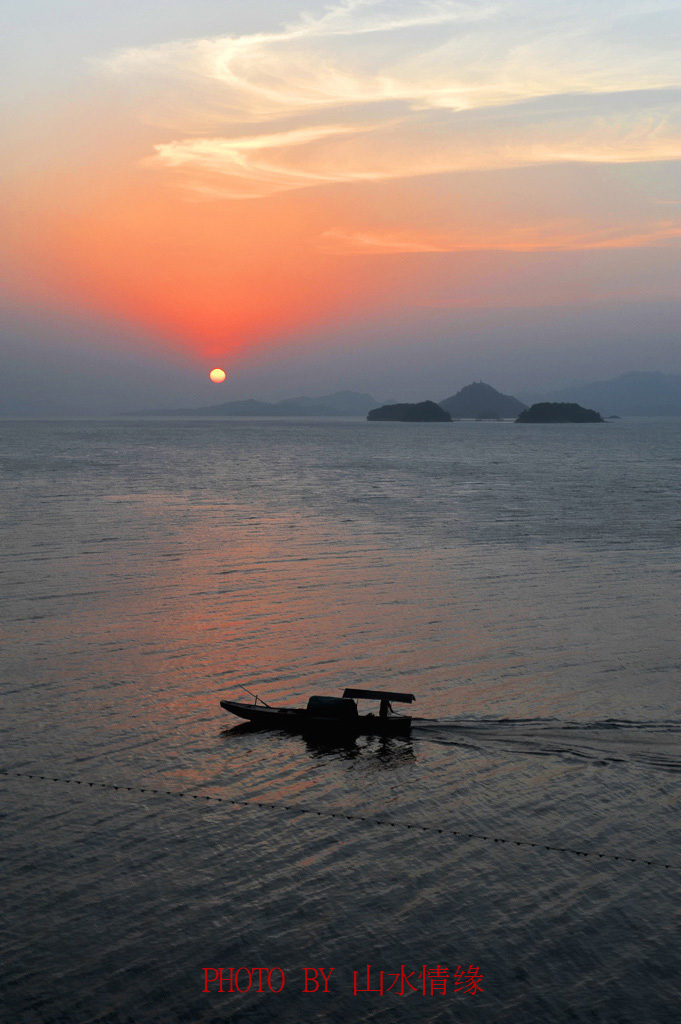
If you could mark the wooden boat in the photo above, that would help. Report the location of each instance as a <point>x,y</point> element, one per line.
<point>335,714</point>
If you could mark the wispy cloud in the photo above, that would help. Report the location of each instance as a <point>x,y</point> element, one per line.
<point>426,144</point>
<point>292,108</point>
<point>550,238</point>
<point>254,162</point>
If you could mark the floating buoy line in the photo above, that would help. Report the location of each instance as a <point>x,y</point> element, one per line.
<point>298,809</point>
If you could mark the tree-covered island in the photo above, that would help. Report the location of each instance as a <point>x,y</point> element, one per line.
<point>559,412</point>
<point>411,412</point>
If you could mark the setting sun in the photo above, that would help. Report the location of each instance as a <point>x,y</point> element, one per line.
<point>217,375</point>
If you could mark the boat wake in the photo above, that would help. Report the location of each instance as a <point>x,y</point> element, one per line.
<point>652,743</point>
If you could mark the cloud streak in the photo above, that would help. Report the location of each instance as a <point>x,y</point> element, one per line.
<point>560,237</point>
<point>370,89</point>
<point>259,165</point>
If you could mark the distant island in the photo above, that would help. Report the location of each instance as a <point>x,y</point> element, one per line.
<point>481,401</point>
<point>559,412</point>
<point>411,412</point>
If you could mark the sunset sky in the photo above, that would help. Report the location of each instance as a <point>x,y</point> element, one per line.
<point>367,194</point>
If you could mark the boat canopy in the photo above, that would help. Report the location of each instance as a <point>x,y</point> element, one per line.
<point>398,698</point>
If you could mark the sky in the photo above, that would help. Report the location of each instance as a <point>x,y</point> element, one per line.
<point>394,197</point>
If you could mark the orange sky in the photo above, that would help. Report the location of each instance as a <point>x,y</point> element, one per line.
<point>227,190</point>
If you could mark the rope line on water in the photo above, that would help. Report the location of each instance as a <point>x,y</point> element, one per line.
<point>298,809</point>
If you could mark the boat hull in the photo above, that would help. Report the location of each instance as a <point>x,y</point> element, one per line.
<point>299,720</point>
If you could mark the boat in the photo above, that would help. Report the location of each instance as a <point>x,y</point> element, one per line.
<point>330,714</point>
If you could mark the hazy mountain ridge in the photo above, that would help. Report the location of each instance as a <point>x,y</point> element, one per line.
<point>636,393</point>
<point>340,403</point>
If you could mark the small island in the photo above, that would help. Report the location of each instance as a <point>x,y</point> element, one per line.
<point>559,412</point>
<point>411,412</point>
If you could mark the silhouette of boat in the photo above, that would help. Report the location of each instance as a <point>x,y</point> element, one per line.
<point>338,714</point>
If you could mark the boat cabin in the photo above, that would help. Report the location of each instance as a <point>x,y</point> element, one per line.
<point>337,708</point>
<point>344,708</point>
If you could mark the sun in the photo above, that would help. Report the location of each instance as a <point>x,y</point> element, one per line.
<point>217,375</point>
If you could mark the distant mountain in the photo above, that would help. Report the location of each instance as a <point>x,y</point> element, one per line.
<point>632,394</point>
<point>341,403</point>
<point>481,401</point>
<point>411,412</point>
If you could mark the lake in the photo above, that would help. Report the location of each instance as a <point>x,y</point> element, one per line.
<point>521,580</point>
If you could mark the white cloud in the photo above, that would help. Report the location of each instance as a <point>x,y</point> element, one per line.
<point>259,165</point>
<point>291,108</point>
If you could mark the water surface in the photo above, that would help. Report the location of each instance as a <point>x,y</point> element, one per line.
<point>522,581</point>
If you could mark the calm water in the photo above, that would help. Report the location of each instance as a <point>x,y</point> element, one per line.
<point>523,582</point>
